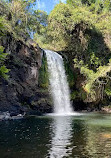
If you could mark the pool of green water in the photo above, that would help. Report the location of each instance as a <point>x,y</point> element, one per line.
<point>81,136</point>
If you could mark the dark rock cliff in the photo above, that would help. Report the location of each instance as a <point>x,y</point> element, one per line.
<point>20,93</point>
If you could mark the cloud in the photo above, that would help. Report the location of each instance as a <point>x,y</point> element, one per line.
<point>41,5</point>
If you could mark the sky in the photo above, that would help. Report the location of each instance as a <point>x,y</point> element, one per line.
<point>47,5</point>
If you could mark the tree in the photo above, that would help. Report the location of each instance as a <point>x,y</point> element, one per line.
<point>74,3</point>
<point>38,21</point>
<point>20,19</point>
<point>95,5</point>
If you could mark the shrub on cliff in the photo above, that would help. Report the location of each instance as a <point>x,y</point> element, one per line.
<point>3,69</point>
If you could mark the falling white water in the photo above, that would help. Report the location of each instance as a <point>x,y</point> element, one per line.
<point>58,83</point>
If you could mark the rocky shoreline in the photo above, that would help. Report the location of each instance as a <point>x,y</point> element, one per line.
<point>4,116</point>
<point>7,116</point>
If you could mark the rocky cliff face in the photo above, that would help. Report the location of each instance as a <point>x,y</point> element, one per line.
<point>20,93</point>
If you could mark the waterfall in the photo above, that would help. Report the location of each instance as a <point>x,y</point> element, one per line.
<point>58,83</point>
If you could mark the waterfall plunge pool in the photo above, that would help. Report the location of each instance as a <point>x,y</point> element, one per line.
<point>80,136</point>
<point>63,134</point>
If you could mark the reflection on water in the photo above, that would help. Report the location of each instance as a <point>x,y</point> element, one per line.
<point>61,137</point>
<point>85,136</point>
<point>98,141</point>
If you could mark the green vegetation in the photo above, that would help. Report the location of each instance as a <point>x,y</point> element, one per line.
<point>82,30</point>
<point>3,69</point>
<point>95,81</point>
<point>20,19</point>
<point>43,74</point>
<point>70,75</point>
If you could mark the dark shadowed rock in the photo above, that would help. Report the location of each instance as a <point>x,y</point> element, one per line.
<point>20,93</point>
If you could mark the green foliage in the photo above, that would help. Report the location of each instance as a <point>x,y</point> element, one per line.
<point>70,75</point>
<point>82,28</point>
<point>60,23</point>
<point>74,95</point>
<point>94,5</point>
<point>2,28</point>
<point>108,91</point>
<point>2,55</point>
<point>19,18</point>
<point>43,74</point>
<point>3,72</point>
<point>3,69</point>
<point>94,80</point>
<point>37,22</point>
<point>74,3</point>
<point>94,60</point>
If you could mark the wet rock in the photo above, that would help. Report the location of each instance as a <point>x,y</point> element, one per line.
<point>106,109</point>
<point>7,116</point>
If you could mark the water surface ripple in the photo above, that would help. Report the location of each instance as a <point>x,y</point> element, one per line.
<point>84,136</point>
